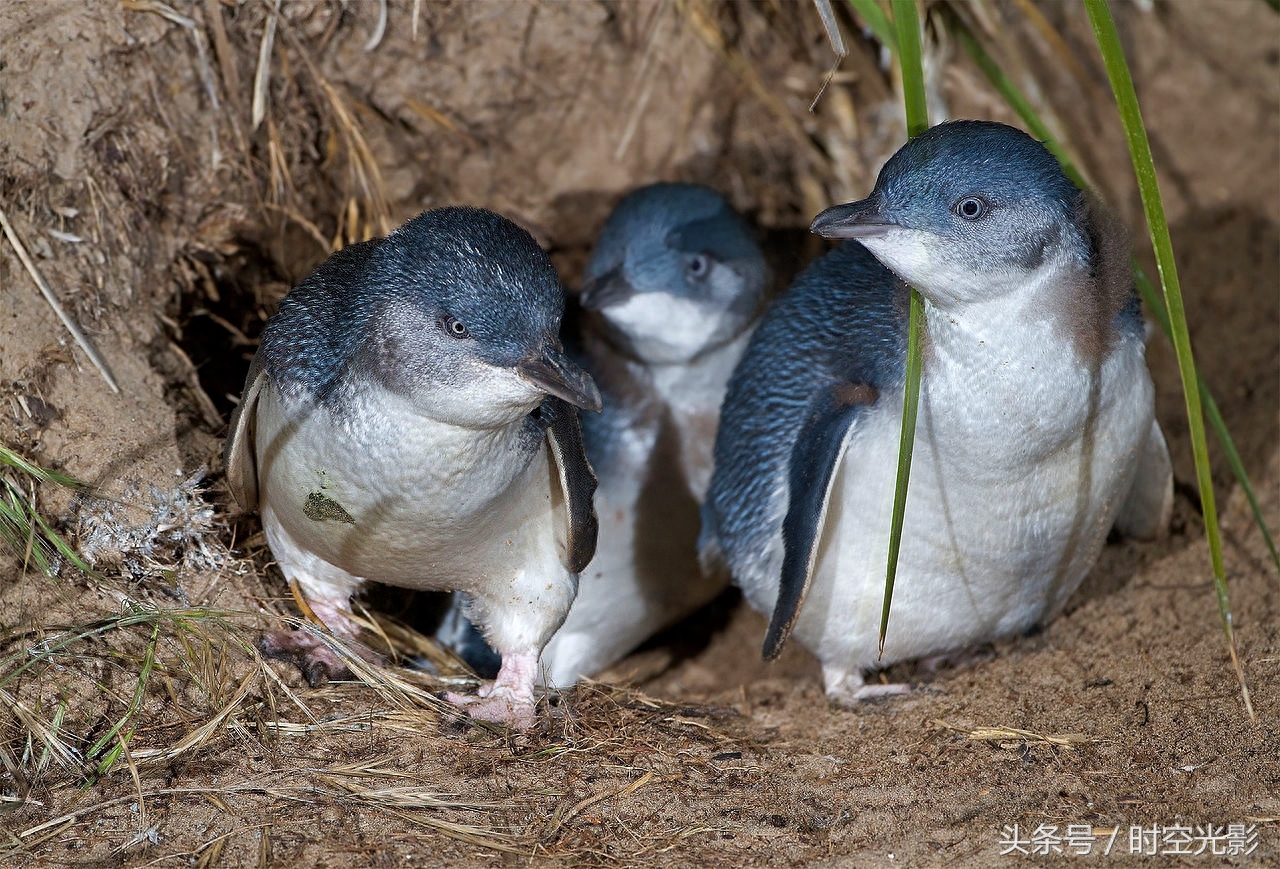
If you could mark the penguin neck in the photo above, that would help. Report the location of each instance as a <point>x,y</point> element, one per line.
<point>1054,318</point>
<point>1004,379</point>
<point>705,375</point>
<point>1083,290</point>
<point>692,393</point>
<point>358,402</point>
<point>633,380</point>
<point>685,396</point>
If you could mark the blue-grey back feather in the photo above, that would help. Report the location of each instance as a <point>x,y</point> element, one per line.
<point>843,321</point>
<point>307,342</point>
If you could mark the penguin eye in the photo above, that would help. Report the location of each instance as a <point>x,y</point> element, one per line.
<point>698,266</point>
<point>972,208</point>
<point>454,327</point>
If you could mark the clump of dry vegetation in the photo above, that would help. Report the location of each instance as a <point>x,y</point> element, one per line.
<point>111,714</point>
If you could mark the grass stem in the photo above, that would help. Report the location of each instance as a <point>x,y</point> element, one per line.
<point>1108,38</point>
<point>907,23</point>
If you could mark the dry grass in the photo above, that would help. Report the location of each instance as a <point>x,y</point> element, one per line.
<point>1001,734</point>
<point>104,713</point>
<point>45,290</point>
<point>367,213</point>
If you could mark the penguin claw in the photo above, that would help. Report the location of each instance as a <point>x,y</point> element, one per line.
<point>508,699</point>
<point>845,687</point>
<point>877,691</point>
<point>851,697</point>
<point>500,707</point>
<point>318,663</point>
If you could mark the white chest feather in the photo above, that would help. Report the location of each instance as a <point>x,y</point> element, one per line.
<point>693,393</point>
<point>645,575</point>
<point>664,328</point>
<point>388,494</point>
<point>1023,456</point>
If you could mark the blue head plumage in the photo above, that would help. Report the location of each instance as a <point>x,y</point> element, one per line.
<point>965,211</point>
<point>451,284</point>
<point>675,272</point>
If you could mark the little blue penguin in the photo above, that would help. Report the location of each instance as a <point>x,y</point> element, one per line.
<point>670,294</point>
<point>407,420</point>
<point>1036,431</point>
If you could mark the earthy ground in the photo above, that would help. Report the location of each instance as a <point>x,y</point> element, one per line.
<point>139,727</point>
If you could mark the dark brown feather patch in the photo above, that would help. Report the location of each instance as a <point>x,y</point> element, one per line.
<point>1091,313</point>
<point>856,393</point>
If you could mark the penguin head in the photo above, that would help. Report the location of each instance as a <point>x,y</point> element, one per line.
<point>464,320</point>
<point>675,273</point>
<point>966,211</point>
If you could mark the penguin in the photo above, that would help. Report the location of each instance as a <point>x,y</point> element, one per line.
<point>409,419</point>
<point>1035,435</point>
<point>674,285</point>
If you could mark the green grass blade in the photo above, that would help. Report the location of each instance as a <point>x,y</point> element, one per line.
<point>43,475</point>
<point>43,651</point>
<point>906,443</point>
<point>1228,445</point>
<point>1216,422</point>
<point>22,527</point>
<point>1155,302</point>
<point>1144,167</point>
<point>876,21</point>
<point>907,23</point>
<point>144,676</point>
<point>57,541</point>
<point>55,727</point>
<point>19,532</point>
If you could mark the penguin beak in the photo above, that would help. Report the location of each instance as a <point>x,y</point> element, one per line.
<point>602,291</point>
<point>556,375</point>
<point>862,219</point>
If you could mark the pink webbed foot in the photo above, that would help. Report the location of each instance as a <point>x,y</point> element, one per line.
<point>308,653</point>
<point>846,687</point>
<point>508,699</point>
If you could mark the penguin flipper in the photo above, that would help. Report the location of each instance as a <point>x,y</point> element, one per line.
<point>1148,507</point>
<point>815,458</point>
<point>239,457</point>
<point>577,481</point>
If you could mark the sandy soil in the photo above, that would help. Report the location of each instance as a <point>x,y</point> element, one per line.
<point>192,223</point>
